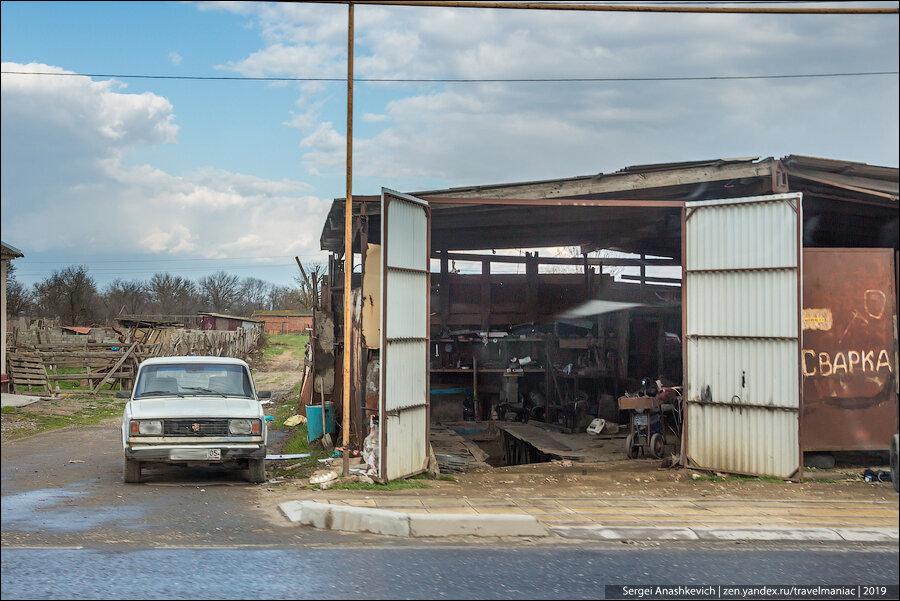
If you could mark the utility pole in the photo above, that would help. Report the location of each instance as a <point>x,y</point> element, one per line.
<point>348,250</point>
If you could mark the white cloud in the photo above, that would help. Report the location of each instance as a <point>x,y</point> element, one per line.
<point>175,58</point>
<point>480,133</point>
<point>65,141</point>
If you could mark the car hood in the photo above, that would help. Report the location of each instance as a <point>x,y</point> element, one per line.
<point>177,407</point>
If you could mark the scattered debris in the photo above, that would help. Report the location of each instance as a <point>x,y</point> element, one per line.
<point>289,456</point>
<point>322,476</point>
<point>294,420</point>
<point>76,461</point>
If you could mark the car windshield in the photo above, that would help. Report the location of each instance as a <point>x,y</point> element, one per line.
<point>193,379</point>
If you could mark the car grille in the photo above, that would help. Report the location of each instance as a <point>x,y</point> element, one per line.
<point>195,427</point>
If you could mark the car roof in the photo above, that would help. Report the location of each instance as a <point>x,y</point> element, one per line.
<point>194,359</point>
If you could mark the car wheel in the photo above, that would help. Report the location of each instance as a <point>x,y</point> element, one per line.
<point>257,469</point>
<point>132,471</point>
<point>657,446</point>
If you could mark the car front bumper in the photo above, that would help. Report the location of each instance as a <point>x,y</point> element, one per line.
<point>194,452</point>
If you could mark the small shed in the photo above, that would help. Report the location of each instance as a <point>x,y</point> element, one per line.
<point>285,321</point>
<point>230,323</point>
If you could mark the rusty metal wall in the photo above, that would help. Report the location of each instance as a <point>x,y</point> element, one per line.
<point>849,349</point>
<point>741,272</point>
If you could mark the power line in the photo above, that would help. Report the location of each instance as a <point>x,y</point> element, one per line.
<point>466,79</point>
<point>684,9</point>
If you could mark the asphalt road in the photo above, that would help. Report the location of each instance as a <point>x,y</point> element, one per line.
<point>72,529</point>
<point>419,572</point>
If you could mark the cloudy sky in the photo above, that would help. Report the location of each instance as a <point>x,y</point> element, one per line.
<point>133,176</point>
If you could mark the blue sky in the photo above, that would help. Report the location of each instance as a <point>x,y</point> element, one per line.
<point>135,176</point>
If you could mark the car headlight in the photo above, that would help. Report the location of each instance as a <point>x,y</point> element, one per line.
<point>147,427</point>
<point>240,427</point>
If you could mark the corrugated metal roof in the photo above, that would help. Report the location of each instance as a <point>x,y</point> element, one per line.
<point>10,251</point>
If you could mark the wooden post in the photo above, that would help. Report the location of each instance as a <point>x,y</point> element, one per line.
<point>444,299</point>
<point>348,249</point>
<point>531,287</point>
<point>486,295</point>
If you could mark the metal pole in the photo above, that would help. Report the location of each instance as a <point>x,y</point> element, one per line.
<point>687,8</point>
<point>348,248</point>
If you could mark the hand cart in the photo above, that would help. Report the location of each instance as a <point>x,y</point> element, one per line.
<point>650,417</point>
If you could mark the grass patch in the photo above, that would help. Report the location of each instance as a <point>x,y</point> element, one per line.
<point>277,344</point>
<point>823,480</point>
<point>394,485</point>
<point>60,413</point>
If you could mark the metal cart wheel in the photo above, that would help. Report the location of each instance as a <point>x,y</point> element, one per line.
<point>629,446</point>
<point>657,446</point>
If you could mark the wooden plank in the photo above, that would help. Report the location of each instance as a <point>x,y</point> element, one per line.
<point>115,367</point>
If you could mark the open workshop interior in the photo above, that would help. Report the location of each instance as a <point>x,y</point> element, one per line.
<point>514,325</point>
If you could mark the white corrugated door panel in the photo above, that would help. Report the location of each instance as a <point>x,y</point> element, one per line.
<point>742,274</point>
<point>403,407</point>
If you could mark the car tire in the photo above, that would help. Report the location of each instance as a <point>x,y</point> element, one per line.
<point>132,471</point>
<point>895,442</point>
<point>257,470</point>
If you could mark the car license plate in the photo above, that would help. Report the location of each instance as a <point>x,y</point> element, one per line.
<point>195,454</point>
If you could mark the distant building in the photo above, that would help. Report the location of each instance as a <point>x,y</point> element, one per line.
<point>285,322</point>
<point>8,254</point>
<point>218,321</point>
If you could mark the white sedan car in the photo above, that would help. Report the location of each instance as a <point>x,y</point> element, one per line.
<point>194,411</point>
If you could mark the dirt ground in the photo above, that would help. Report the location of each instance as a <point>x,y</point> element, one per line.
<point>562,479</point>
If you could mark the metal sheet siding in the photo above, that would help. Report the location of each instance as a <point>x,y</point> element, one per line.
<point>404,336</point>
<point>742,330</point>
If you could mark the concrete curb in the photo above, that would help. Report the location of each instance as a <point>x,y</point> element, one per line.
<point>396,523</point>
<point>623,533</point>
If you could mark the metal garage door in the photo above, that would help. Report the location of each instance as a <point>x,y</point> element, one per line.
<point>403,409</point>
<point>742,274</point>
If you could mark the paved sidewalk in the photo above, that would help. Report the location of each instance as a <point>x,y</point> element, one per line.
<point>681,512</point>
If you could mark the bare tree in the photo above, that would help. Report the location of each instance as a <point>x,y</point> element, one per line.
<point>254,295</point>
<point>18,297</point>
<point>69,294</point>
<point>172,294</point>
<point>220,291</point>
<point>283,297</point>
<point>308,280</point>
<point>125,297</point>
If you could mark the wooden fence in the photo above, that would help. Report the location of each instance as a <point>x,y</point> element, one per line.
<point>43,366</point>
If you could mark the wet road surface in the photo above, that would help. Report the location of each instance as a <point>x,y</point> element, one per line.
<point>72,529</point>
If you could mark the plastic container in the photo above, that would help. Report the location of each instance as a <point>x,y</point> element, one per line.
<point>314,421</point>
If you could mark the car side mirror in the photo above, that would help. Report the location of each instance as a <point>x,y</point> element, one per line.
<point>123,394</point>
<point>264,394</point>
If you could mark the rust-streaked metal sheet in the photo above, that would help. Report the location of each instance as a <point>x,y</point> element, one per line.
<point>742,311</point>
<point>849,349</point>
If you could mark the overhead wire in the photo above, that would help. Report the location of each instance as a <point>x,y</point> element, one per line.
<point>451,80</point>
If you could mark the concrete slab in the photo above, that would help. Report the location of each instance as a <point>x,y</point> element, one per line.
<point>437,524</point>
<point>624,533</point>
<point>293,510</point>
<point>766,534</point>
<point>366,519</point>
<point>17,400</point>
<point>869,534</point>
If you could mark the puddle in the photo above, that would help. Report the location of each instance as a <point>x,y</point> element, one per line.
<point>56,510</point>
